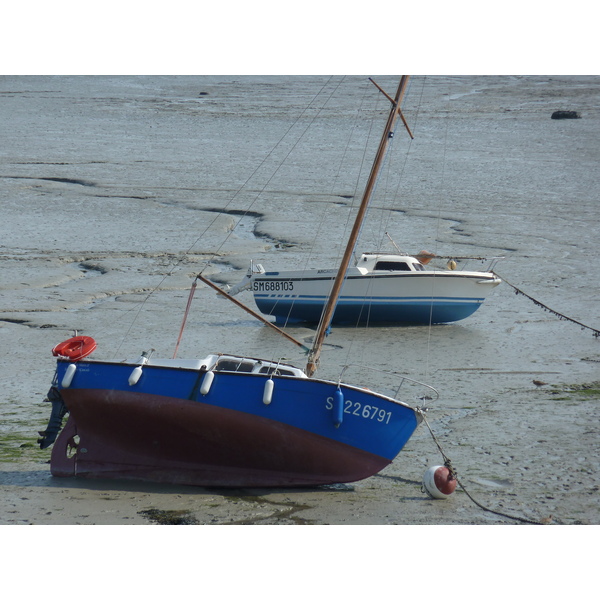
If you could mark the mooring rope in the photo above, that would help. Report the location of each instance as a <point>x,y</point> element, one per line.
<point>596,332</point>
<point>454,475</point>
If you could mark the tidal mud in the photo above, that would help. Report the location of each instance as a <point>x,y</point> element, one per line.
<point>117,191</point>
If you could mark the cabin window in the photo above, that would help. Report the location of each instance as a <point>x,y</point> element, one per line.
<point>243,366</point>
<point>388,265</point>
<point>277,371</point>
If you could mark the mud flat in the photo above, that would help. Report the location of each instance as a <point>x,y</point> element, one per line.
<point>117,187</point>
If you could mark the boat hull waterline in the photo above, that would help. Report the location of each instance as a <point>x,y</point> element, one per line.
<point>164,429</point>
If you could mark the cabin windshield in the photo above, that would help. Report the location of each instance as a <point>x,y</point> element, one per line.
<point>390,265</point>
<point>232,364</point>
<point>276,371</point>
<point>235,364</point>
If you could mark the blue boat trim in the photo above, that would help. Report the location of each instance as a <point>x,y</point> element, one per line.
<point>379,299</point>
<point>416,310</point>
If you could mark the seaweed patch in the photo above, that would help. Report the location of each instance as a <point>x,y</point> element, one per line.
<point>169,517</point>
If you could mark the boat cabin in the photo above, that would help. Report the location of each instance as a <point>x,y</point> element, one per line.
<point>238,364</point>
<point>227,363</point>
<point>388,262</point>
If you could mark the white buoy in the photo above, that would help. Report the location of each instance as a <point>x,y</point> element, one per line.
<point>69,374</point>
<point>207,382</point>
<point>268,392</point>
<point>438,482</point>
<point>135,375</point>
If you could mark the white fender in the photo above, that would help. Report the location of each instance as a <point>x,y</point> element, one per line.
<point>69,374</point>
<point>207,382</point>
<point>135,375</point>
<point>268,392</point>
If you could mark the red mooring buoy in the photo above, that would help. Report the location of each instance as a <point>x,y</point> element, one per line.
<point>438,482</point>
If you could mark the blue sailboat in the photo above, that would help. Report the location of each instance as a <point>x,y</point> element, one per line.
<point>225,420</point>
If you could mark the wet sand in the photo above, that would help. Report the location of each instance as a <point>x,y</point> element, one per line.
<point>109,191</point>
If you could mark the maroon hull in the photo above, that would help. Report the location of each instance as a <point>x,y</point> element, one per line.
<point>134,439</point>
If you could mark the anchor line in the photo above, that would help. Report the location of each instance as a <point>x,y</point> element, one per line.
<point>596,332</point>
<point>454,475</point>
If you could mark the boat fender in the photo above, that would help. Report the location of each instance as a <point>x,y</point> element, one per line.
<point>75,348</point>
<point>451,264</point>
<point>439,482</point>
<point>338,407</point>
<point>68,376</point>
<point>207,382</point>
<point>424,257</point>
<point>268,392</point>
<point>135,375</point>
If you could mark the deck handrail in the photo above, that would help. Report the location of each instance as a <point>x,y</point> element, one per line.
<point>402,378</point>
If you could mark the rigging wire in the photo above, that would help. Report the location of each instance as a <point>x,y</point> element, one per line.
<point>359,177</point>
<point>282,162</point>
<point>437,233</point>
<point>309,256</point>
<point>396,195</point>
<point>386,214</point>
<point>376,188</point>
<point>393,149</point>
<point>266,158</point>
<point>335,181</point>
<point>357,196</point>
<point>211,222</point>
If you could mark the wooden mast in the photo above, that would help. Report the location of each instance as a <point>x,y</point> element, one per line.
<point>315,353</point>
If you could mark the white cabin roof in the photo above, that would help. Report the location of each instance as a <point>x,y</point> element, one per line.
<point>372,261</point>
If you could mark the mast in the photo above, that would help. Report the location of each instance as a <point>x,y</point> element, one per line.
<point>315,353</point>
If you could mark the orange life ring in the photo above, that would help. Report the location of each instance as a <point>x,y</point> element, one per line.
<point>75,348</point>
